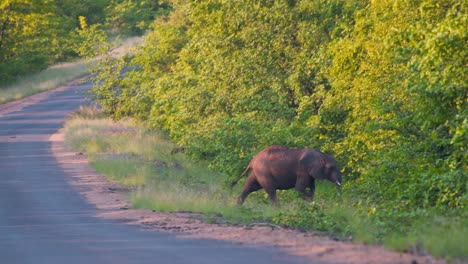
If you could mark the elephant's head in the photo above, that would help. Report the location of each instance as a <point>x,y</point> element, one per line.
<point>329,169</point>
<point>332,172</point>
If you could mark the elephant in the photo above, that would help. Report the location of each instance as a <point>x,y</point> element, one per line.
<point>281,168</point>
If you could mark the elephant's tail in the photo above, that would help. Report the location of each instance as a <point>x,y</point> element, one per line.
<point>238,178</point>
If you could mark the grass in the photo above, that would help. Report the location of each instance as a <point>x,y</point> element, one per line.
<point>50,78</point>
<point>59,74</point>
<point>141,158</point>
<point>442,237</point>
<point>125,46</point>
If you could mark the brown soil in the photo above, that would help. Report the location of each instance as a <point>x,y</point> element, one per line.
<point>113,203</point>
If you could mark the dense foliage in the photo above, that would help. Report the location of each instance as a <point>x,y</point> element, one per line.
<point>381,85</point>
<point>37,33</point>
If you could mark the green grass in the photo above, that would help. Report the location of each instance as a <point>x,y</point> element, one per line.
<point>128,152</point>
<point>443,237</point>
<point>447,241</point>
<point>59,74</point>
<point>50,78</point>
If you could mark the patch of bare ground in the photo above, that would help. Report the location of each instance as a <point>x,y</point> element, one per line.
<point>113,203</point>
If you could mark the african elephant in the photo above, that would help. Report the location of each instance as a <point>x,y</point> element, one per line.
<point>281,168</point>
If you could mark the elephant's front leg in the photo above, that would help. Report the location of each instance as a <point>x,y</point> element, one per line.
<point>311,188</point>
<point>302,183</point>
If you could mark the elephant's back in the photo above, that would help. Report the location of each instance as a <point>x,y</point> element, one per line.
<point>279,153</point>
<point>278,158</point>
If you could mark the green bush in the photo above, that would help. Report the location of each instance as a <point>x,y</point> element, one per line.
<point>132,17</point>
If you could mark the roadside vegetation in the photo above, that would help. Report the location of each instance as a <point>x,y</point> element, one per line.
<point>42,42</point>
<point>380,85</point>
<point>36,34</point>
<point>162,178</point>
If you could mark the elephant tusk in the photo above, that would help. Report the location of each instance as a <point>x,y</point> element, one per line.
<point>338,183</point>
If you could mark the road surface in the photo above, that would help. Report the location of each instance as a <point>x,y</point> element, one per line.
<point>44,220</point>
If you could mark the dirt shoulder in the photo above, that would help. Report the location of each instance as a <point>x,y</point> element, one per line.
<point>113,203</point>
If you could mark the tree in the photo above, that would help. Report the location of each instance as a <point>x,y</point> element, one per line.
<point>24,35</point>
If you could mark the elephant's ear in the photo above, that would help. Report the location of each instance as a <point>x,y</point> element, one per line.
<point>322,162</point>
<point>313,163</point>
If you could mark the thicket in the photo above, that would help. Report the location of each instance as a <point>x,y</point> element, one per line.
<point>36,33</point>
<point>380,85</point>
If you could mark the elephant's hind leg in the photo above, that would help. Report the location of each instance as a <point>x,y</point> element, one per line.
<point>251,185</point>
<point>271,191</point>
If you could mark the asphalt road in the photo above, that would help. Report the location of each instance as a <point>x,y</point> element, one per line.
<point>44,220</point>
